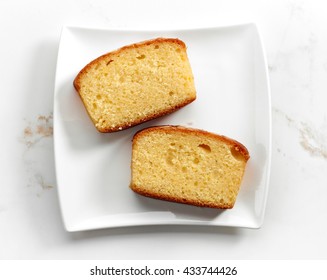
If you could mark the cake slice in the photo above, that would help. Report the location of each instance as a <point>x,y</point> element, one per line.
<point>136,83</point>
<point>187,165</point>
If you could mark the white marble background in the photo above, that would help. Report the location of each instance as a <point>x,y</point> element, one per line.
<point>295,38</point>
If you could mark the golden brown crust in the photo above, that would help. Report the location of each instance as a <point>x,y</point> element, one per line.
<point>148,118</point>
<point>185,200</point>
<point>235,144</point>
<point>108,56</point>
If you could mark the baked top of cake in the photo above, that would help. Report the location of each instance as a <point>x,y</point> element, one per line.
<point>187,165</point>
<point>136,83</point>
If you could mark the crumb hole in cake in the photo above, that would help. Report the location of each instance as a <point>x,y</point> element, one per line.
<point>205,147</point>
<point>172,144</point>
<point>108,62</point>
<point>122,79</point>
<point>95,106</point>
<point>98,96</point>
<point>102,122</point>
<point>171,93</point>
<point>196,183</point>
<point>156,47</point>
<point>196,160</point>
<point>169,160</point>
<point>184,169</point>
<point>221,200</point>
<point>178,50</point>
<point>142,56</point>
<point>170,157</point>
<point>236,153</point>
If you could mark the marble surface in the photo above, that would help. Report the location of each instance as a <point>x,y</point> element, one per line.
<point>295,38</point>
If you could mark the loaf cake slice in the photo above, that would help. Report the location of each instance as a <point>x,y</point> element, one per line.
<point>188,166</point>
<point>136,83</point>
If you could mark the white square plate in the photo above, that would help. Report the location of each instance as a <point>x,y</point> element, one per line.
<point>233,99</point>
